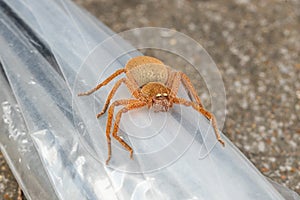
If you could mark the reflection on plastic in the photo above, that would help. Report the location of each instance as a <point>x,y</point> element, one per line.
<point>17,147</point>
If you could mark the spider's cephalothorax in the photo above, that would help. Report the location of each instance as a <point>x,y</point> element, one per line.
<point>152,84</point>
<point>157,95</point>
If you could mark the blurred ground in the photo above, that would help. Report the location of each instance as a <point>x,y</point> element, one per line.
<point>8,185</point>
<point>256,45</point>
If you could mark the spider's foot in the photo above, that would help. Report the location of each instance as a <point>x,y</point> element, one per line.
<point>83,94</point>
<point>100,114</point>
<point>221,141</point>
<point>131,154</point>
<point>108,159</point>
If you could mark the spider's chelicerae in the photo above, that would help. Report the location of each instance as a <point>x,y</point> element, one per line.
<point>152,84</point>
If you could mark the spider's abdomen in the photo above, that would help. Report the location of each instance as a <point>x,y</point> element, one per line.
<point>145,69</point>
<point>149,73</point>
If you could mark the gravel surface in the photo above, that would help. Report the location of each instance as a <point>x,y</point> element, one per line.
<point>256,46</point>
<point>8,185</point>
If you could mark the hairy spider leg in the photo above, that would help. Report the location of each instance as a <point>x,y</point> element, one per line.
<point>175,84</point>
<point>131,106</point>
<point>134,92</point>
<point>190,88</point>
<point>170,79</point>
<point>109,123</point>
<point>105,82</point>
<point>207,114</point>
<point>110,96</point>
<point>127,102</point>
<point>181,77</point>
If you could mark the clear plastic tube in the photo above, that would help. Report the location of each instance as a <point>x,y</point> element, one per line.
<point>71,142</point>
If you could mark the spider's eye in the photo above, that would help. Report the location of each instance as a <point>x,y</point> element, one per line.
<point>165,94</point>
<point>158,95</point>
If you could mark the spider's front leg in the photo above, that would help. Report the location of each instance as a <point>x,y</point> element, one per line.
<point>190,88</point>
<point>207,114</point>
<point>110,96</point>
<point>105,82</point>
<point>129,104</point>
<point>180,77</point>
<point>134,92</point>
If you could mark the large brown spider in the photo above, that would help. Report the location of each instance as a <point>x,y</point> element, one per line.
<point>152,84</point>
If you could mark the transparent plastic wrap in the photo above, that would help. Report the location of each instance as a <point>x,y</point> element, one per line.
<point>15,141</point>
<point>177,157</point>
<point>17,147</point>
